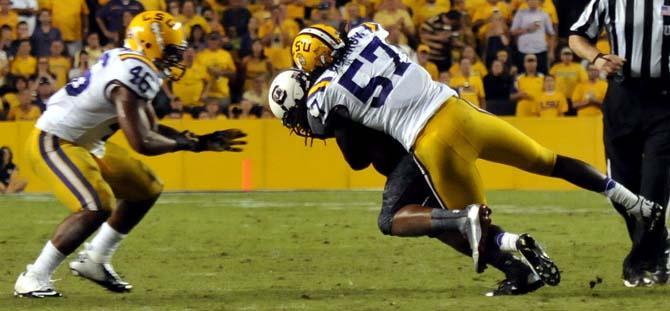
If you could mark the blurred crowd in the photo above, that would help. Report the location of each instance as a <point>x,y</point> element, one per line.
<point>509,57</point>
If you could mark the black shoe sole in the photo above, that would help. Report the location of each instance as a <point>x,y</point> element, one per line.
<point>109,286</point>
<point>539,261</point>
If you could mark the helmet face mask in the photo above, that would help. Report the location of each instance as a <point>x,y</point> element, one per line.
<point>288,100</point>
<point>160,38</point>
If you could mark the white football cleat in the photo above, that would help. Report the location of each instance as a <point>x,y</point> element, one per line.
<point>31,285</point>
<point>101,273</point>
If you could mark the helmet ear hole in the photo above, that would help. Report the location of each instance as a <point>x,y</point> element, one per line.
<point>147,45</point>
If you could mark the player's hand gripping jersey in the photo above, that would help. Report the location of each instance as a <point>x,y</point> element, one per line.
<point>82,112</point>
<point>380,87</point>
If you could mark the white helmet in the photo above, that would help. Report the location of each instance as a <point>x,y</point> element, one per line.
<point>288,90</point>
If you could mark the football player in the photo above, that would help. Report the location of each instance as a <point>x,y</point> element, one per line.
<point>406,195</point>
<point>362,77</point>
<point>101,184</point>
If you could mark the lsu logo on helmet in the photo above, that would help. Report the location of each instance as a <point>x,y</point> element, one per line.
<point>315,46</point>
<point>160,38</point>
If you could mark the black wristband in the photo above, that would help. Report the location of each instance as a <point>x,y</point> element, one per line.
<point>600,55</point>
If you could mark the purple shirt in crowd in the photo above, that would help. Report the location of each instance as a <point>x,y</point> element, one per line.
<point>536,41</point>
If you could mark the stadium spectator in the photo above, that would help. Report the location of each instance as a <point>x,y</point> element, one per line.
<point>423,10</point>
<point>588,96</point>
<point>44,91</point>
<point>213,110</point>
<point>439,34</point>
<point>352,16</point>
<point>25,111</point>
<point>325,13</point>
<point>240,111</point>
<point>174,8</point>
<point>189,17</point>
<point>23,63</point>
<point>257,98</point>
<point>394,13</point>
<point>42,71</point>
<point>177,110</point>
<point>497,87</point>
<point>422,58</point>
<point>528,87</point>
<point>547,6</point>
<point>490,10</point>
<point>10,182</point>
<point>44,34</point>
<point>535,35</point>
<point>59,64</point>
<point>71,18</point>
<point>93,47</point>
<point>551,103</point>
<point>192,88</point>
<point>278,25</point>
<point>11,97</point>
<point>236,15</point>
<point>568,73</point>
<point>8,16</point>
<point>110,17</point>
<point>255,65</point>
<point>478,68</point>
<point>26,10</point>
<point>508,65</point>
<point>6,38</point>
<point>495,36</point>
<point>154,5</point>
<point>197,39</point>
<point>22,33</point>
<point>212,19</point>
<point>82,63</point>
<point>445,77</point>
<point>394,37</point>
<point>220,67</point>
<point>469,86</point>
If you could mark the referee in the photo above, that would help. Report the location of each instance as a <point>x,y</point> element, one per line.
<point>636,112</point>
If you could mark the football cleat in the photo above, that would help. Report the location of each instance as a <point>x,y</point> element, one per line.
<point>514,287</point>
<point>635,277</point>
<point>31,285</point>
<point>654,216</point>
<point>102,274</point>
<point>476,228</point>
<point>538,260</point>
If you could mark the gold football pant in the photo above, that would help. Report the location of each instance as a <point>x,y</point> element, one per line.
<point>459,134</point>
<point>81,180</point>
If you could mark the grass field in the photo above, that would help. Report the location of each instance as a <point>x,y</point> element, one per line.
<point>323,251</point>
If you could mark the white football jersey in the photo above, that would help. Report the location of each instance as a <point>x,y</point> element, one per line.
<point>380,86</point>
<point>82,111</point>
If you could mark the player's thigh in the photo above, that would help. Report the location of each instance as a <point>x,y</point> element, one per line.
<point>453,178</point>
<point>71,172</point>
<point>498,141</point>
<point>129,178</point>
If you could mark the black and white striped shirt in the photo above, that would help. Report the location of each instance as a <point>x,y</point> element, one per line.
<point>639,31</point>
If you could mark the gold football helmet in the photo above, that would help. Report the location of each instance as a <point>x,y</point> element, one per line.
<point>160,38</point>
<point>315,46</point>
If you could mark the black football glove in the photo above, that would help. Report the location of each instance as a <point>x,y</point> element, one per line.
<point>226,140</point>
<point>186,140</point>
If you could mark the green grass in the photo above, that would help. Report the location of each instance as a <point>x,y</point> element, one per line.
<point>323,251</point>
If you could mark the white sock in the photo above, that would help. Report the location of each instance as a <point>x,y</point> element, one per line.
<point>621,195</point>
<point>48,260</point>
<point>507,241</point>
<point>104,244</point>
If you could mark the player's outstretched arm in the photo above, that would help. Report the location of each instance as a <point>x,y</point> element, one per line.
<point>138,125</point>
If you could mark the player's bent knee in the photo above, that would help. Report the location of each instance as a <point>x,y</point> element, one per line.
<point>385,223</point>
